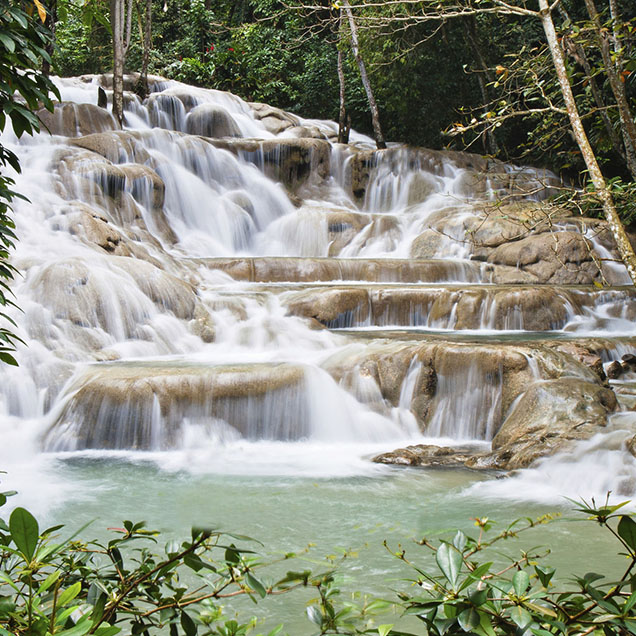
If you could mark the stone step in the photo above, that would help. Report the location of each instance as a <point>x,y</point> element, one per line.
<point>145,405</point>
<point>277,269</point>
<point>456,307</point>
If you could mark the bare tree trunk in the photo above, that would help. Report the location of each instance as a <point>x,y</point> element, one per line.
<point>375,116</point>
<point>343,132</point>
<point>121,24</point>
<point>628,128</point>
<point>51,19</point>
<point>616,226</point>
<point>142,88</point>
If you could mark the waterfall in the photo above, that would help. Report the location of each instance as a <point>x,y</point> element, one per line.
<point>220,276</point>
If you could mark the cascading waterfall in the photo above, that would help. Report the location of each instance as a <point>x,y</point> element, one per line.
<point>178,299</point>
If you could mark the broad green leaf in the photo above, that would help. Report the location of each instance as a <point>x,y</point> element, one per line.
<point>545,574</point>
<point>627,531</point>
<point>449,561</point>
<point>459,541</point>
<point>520,582</point>
<point>24,532</point>
<point>188,625</point>
<point>520,617</point>
<point>383,630</point>
<point>50,579</point>
<point>469,619</point>
<point>540,609</point>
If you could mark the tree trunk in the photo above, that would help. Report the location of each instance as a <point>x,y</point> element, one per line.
<point>121,24</point>
<point>51,19</point>
<point>343,132</point>
<point>628,128</point>
<point>147,45</point>
<point>355,47</point>
<point>616,226</point>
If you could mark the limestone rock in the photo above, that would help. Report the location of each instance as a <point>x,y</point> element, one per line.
<point>428,455</point>
<point>331,306</point>
<point>555,258</point>
<point>74,120</point>
<point>211,120</point>
<point>549,415</point>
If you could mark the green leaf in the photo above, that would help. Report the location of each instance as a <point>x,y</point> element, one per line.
<point>188,625</point>
<point>520,582</point>
<point>627,531</point>
<point>545,574</point>
<point>69,594</point>
<point>449,561</point>
<point>256,585</point>
<point>24,531</point>
<point>383,630</point>
<point>469,619</point>
<point>520,617</point>
<point>232,556</point>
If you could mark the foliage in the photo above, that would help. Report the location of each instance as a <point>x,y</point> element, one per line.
<point>23,89</point>
<point>72,588</point>
<point>469,594</point>
<point>125,584</point>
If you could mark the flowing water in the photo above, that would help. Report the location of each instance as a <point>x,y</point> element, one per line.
<point>203,346</point>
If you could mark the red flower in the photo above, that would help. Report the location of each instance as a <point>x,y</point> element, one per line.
<point>231,49</point>
<point>211,48</point>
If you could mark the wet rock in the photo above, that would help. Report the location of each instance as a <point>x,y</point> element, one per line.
<point>630,446</point>
<point>144,406</point>
<point>293,162</point>
<point>337,307</point>
<point>427,455</point>
<point>75,120</point>
<point>614,370</point>
<point>211,120</point>
<point>549,415</point>
<point>555,258</point>
<point>629,361</point>
<point>302,132</point>
<point>202,324</point>
<point>93,229</point>
<point>117,147</point>
<point>589,358</point>
<point>274,119</point>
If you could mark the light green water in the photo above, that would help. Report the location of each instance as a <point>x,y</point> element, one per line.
<point>286,513</point>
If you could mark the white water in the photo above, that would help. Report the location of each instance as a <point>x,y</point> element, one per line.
<point>149,303</point>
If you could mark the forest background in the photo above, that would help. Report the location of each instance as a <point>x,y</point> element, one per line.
<point>440,81</point>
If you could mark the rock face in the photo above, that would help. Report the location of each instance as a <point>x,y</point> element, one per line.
<point>76,120</point>
<point>550,415</point>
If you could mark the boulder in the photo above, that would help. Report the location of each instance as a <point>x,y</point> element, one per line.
<point>274,119</point>
<point>211,120</point>
<point>145,406</point>
<point>293,162</point>
<point>117,147</point>
<point>563,258</point>
<point>332,307</point>
<point>549,415</point>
